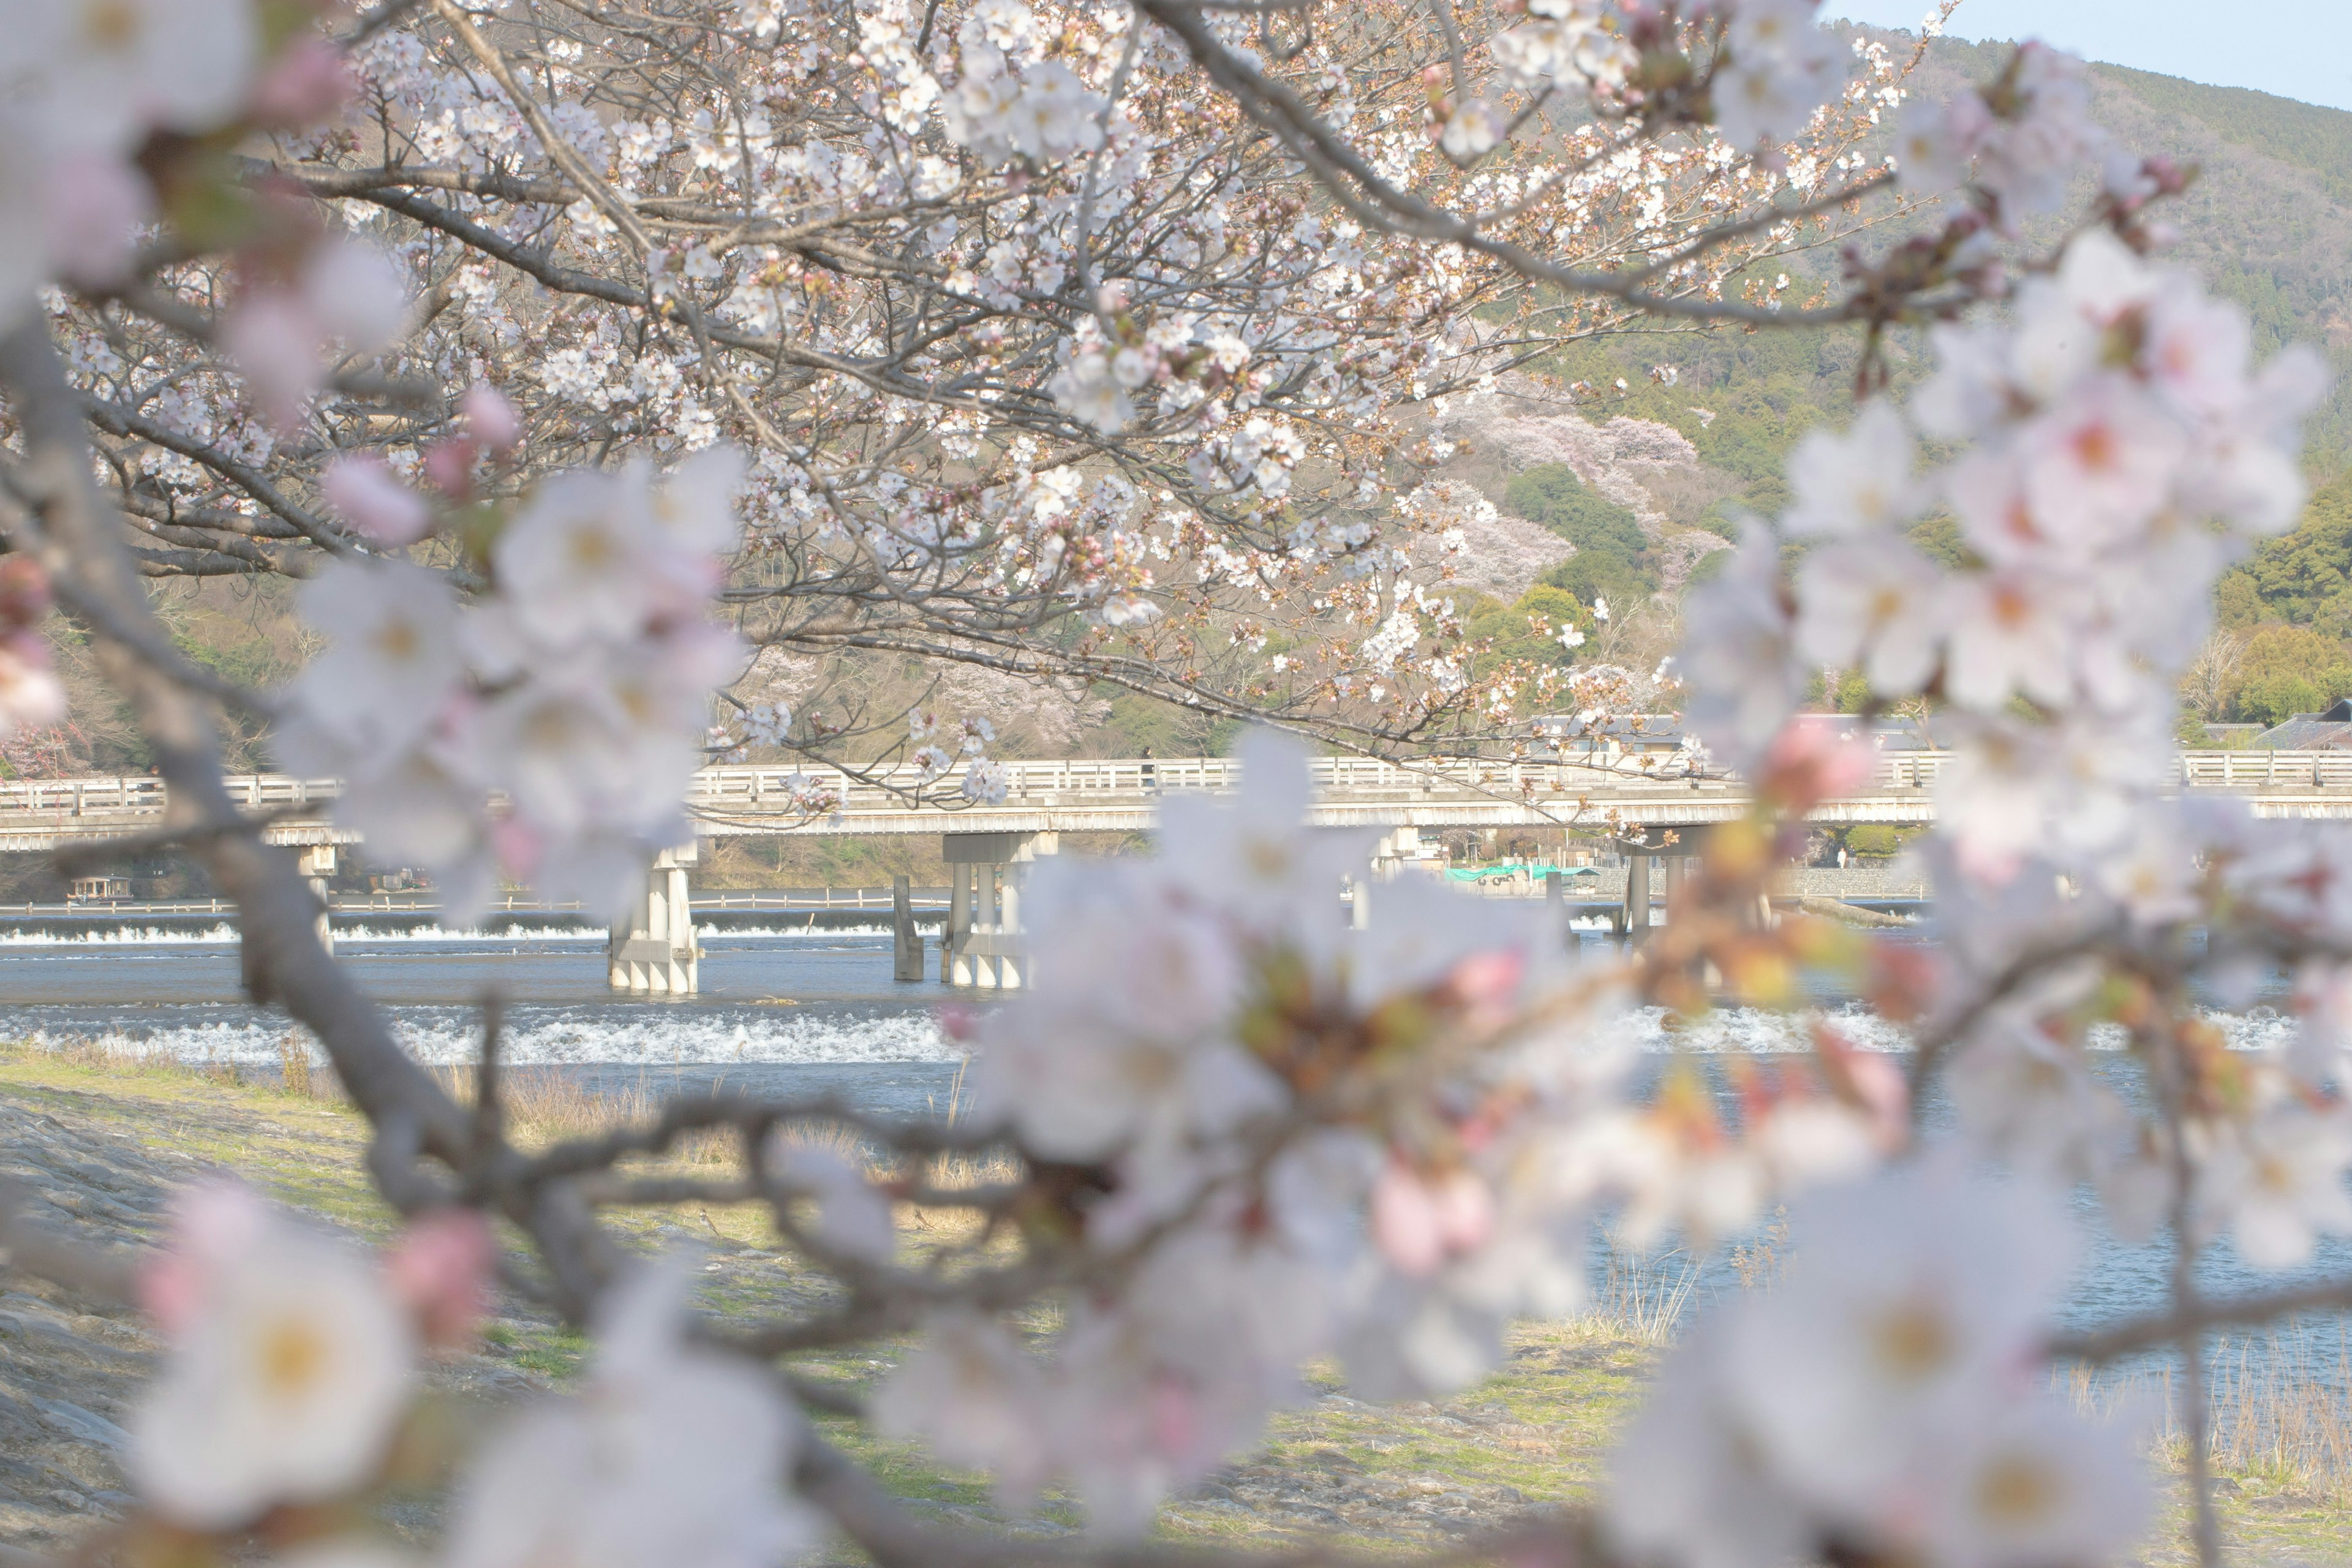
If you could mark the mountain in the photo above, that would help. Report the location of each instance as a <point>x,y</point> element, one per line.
<point>2267,223</point>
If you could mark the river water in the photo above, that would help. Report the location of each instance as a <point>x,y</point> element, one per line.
<point>792,1011</point>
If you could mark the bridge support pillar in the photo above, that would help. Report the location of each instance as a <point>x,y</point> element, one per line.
<point>653,950</point>
<point>317,862</point>
<point>1397,848</point>
<point>906,942</point>
<point>1637,896</point>
<point>985,946</point>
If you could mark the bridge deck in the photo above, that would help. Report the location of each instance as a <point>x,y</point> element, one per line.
<point>1084,796</point>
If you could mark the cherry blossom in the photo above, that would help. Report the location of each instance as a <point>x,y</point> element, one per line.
<point>366,492</point>
<point>289,1365</point>
<point>986,782</point>
<point>1007,328</point>
<point>2273,1178</point>
<point>670,1450</point>
<point>1869,1396</point>
<point>580,687</point>
<point>1561,39</point>
<point>395,661</point>
<point>1860,480</point>
<point>1737,657</point>
<point>1783,68</point>
<point>1872,603</point>
<point>1162,1048</point>
<point>854,1219</point>
<point>973,1392</point>
<point>96,72</point>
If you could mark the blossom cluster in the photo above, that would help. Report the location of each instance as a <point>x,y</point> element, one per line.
<point>2016,142</point>
<point>1249,1136</point>
<point>1878,1400</point>
<point>292,1387</point>
<point>2117,448</point>
<point>1303,1140</point>
<point>30,695</point>
<point>983,780</point>
<point>2103,430</point>
<point>576,688</point>
<point>1783,66</point>
<point>1169,382</point>
<point>81,88</point>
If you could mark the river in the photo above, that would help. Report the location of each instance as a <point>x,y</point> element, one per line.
<point>787,1010</point>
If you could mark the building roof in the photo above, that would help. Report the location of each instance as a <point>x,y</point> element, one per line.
<point>1644,729</point>
<point>2329,732</point>
<point>1887,735</point>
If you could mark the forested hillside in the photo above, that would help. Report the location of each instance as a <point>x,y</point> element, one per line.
<point>2268,222</point>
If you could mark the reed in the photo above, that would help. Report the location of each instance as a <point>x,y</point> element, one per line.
<point>2278,1406</point>
<point>1643,1297</point>
<point>545,1105</point>
<point>294,1065</point>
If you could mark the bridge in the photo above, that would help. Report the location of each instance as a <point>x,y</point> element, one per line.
<point>1124,795</point>
<point>1626,798</point>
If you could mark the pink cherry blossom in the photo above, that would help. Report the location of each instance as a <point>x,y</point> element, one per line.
<point>364,490</point>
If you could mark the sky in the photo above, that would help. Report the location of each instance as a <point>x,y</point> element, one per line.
<point>2295,48</point>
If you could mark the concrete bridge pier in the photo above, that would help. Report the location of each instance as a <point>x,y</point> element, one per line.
<point>984,945</point>
<point>1636,919</point>
<point>653,950</point>
<point>1397,848</point>
<point>906,942</point>
<point>316,861</point>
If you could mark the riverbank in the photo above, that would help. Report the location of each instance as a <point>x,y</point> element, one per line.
<point>97,1143</point>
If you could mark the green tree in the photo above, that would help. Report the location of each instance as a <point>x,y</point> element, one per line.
<point>2305,577</point>
<point>1512,630</point>
<point>1613,558</point>
<point>1551,494</point>
<point>2287,670</point>
<point>1876,840</point>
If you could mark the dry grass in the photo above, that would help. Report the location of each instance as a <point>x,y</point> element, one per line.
<point>1642,1297</point>
<point>2277,1411</point>
<point>298,1074</point>
<point>545,1105</point>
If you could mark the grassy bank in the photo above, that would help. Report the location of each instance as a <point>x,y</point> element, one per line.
<point>1536,1435</point>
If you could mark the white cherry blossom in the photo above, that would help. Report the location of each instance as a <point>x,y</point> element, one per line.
<point>577,559</point>
<point>289,1365</point>
<point>1737,656</point>
<point>1875,602</point>
<point>1872,1396</point>
<point>1857,482</point>
<point>394,658</point>
<point>2036,1486</point>
<point>669,1453</point>
<point>97,73</point>
<point>2274,1178</point>
<point>1783,68</point>
<point>364,490</point>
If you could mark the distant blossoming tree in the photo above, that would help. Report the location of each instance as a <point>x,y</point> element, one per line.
<point>542,339</point>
